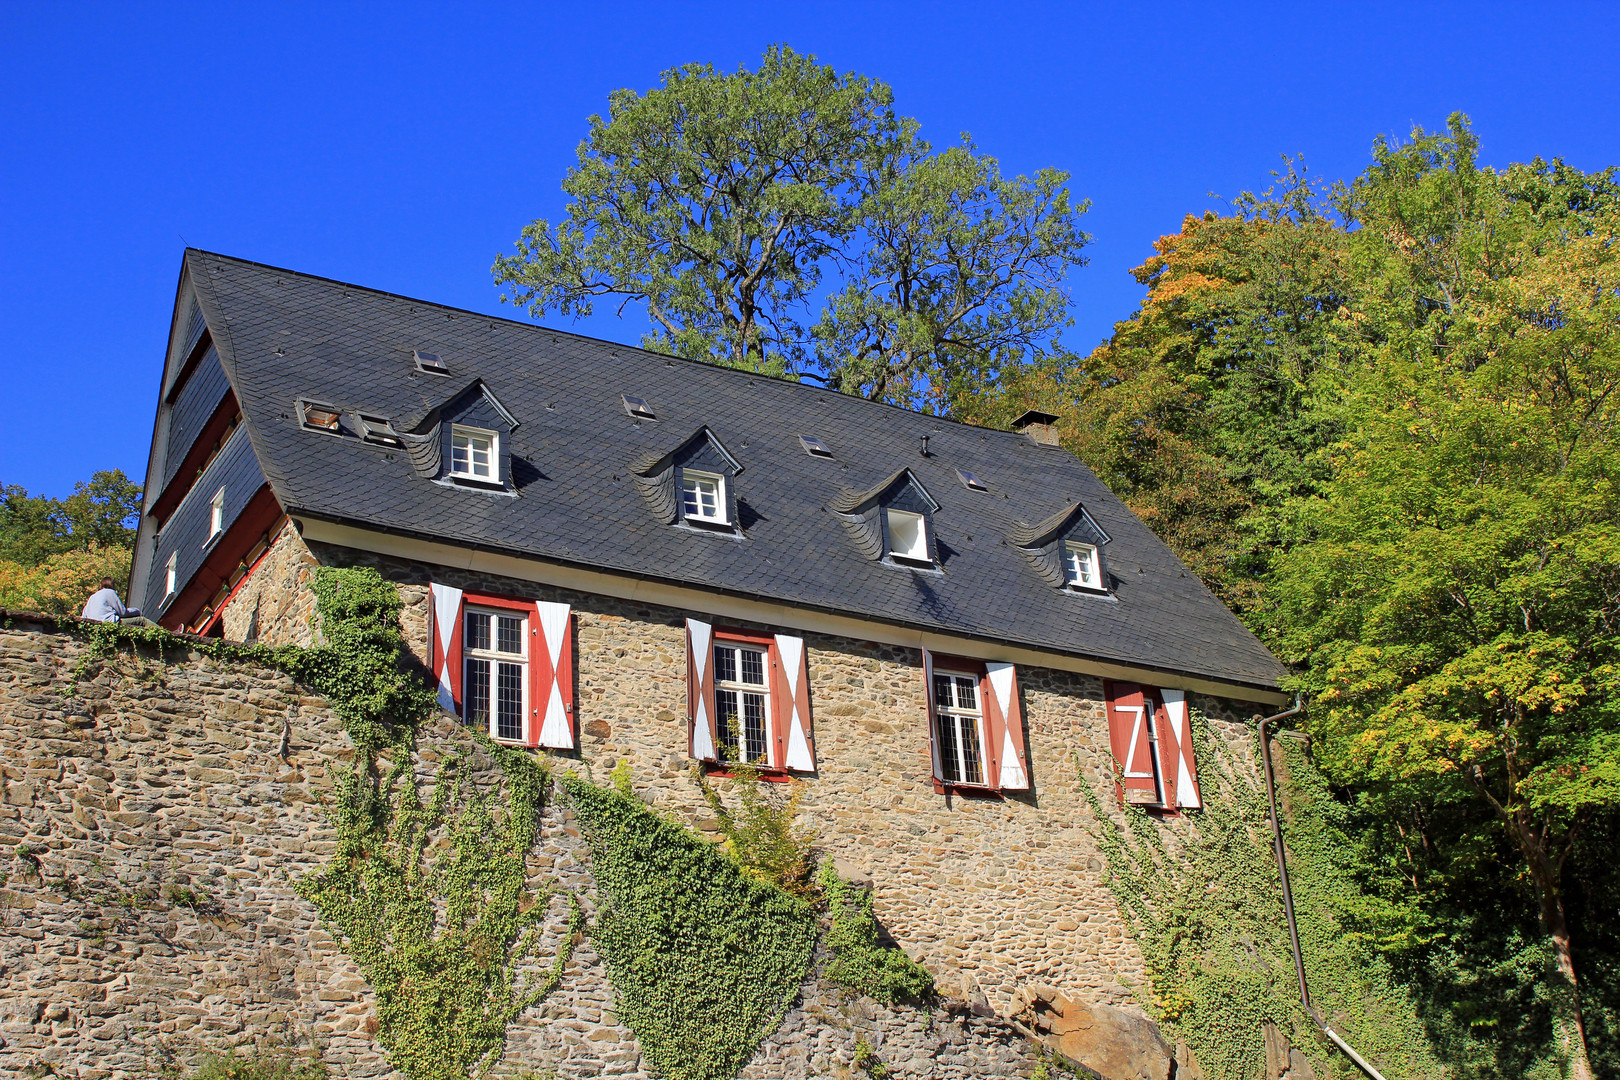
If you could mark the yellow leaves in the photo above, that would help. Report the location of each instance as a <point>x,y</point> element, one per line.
<point>62,583</point>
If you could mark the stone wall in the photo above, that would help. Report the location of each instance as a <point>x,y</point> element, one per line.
<point>154,815</point>
<point>991,893</point>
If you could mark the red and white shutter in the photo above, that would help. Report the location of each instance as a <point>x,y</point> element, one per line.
<point>447,646</point>
<point>703,737</point>
<point>551,656</point>
<point>1006,723</point>
<point>796,746</point>
<point>1129,713</point>
<point>1179,732</point>
<point>933,724</point>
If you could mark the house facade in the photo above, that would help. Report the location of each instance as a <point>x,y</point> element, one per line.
<point>957,639</point>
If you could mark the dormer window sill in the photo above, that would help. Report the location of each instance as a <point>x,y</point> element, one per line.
<point>710,528</point>
<point>1095,594</point>
<point>468,484</point>
<point>902,563</point>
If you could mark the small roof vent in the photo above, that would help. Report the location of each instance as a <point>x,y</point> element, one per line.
<point>970,481</point>
<point>814,446</point>
<point>430,363</point>
<point>635,406</point>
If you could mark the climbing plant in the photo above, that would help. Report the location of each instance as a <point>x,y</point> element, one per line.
<point>429,896</point>
<point>1206,910</point>
<point>763,833</point>
<point>429,899</point>
<point>704,957</point>
<point>859,963</point>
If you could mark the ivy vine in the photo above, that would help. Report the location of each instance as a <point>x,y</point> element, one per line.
<point>1209,920</point>
<point>704,956</point>
<point>428,897</point>
<point>860,964</point>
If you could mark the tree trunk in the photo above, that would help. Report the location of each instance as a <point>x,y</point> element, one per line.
<point>1569,1022</point>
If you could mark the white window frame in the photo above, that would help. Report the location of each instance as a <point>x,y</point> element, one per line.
<point>493,659</point>
<point>693,480</point>
<point>458,431</point>
<point>171,571</point>
<point>962,720</point>
<point>216,516</point>
<point>1087,577</point>
<point>740,688</point>
<point>910,555</point>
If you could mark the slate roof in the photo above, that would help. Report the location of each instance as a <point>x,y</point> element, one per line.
<point>283,335</point>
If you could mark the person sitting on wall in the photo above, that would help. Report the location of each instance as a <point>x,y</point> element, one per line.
<point>104,606</point>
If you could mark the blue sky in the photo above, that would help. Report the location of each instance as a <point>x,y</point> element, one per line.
<point>401,146</point>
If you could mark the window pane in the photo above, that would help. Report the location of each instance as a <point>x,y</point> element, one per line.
<point>969,732</point>
<point>700,496</point>
<point>480,455</point>
<point>509,701</point>
<point>950,762</point>
<point>754,723</point>
<point>725,721</point>
<point>511,634</point>
<point>907,537</point>
<point>967,694</point>
<point>942,691</point>
<point>458,454</point>
<point>753,667</point>
<point>477,631</point>
<point>475,692</point>
<point>725,664</point>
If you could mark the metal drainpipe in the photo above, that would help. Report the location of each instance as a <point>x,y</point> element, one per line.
<point>1288,894</point>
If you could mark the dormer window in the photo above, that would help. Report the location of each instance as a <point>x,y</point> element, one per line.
<point>171,575</point>
<point>908,535</point>
<point>474,454</point>
<point>703,496</point>
<point>1080,567</point>
<point>216,515</point>
<point>430,363</point>
<point>378,429</point>
<point>1065,550</point>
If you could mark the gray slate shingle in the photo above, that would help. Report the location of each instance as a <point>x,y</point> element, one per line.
<point>282,335</point>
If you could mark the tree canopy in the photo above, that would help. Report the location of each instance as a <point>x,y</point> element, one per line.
<point>787,220</point>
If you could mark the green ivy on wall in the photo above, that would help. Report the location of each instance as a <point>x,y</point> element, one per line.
<point>1208,917</point>
<point>860,964</point>
<point>704,956</point>
<point>428,897</point>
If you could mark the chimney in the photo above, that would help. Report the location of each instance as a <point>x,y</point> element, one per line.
<point>1040,426</point>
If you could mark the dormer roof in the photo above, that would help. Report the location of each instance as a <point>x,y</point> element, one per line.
<point>575,503</point>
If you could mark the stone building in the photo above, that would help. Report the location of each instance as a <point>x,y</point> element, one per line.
<point>947,633</point>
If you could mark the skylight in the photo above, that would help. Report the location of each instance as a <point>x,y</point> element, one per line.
<point>319,417</point>
<point>638,407</point>
<point>814,446</point>
<point>430,363</point>
<point>970,481</point>
<point>378,429</point>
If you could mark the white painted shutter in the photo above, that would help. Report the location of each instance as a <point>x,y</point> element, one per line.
<point>554,685</point>
<point>700,689</point>
<point>446,633</point>
<point>1003,680</point>
<point>1175,706</point>
<point>795,703</point>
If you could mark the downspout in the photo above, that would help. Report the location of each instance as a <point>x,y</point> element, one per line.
<point>1288,895</point>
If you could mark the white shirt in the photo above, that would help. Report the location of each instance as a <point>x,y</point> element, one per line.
<point>104,606</point>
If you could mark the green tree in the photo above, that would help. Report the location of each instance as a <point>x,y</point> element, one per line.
<point>99,513</point>
<point>728,204</point>
<point>960,271</point>
<point>1456,604</point>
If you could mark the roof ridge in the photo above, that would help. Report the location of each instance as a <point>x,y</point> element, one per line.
<point>542,327</point>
